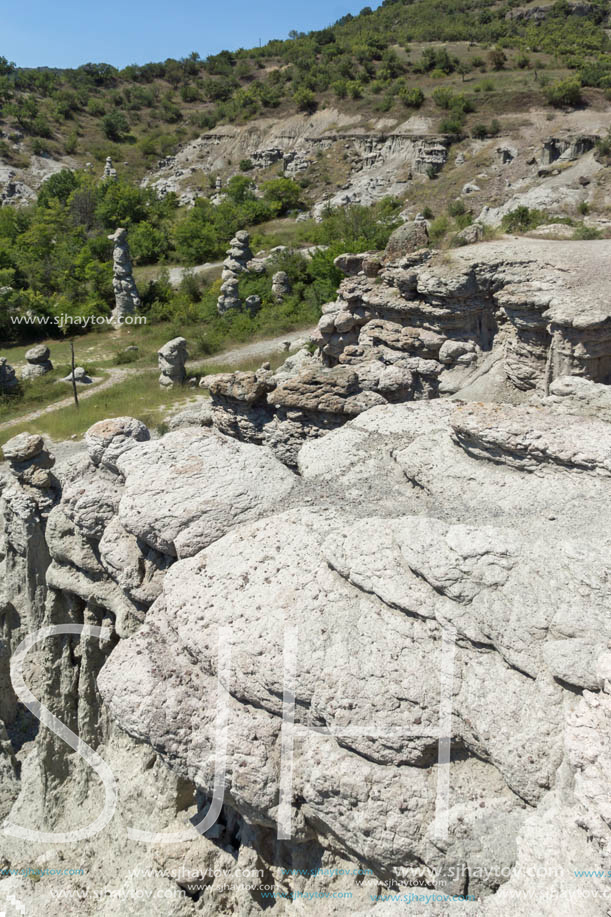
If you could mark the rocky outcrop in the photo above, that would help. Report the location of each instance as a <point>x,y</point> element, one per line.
<point>236,262</point>
<point>414,628</point>
<point>38,362</point>
<point>172,358</point>
<point>8,379</point>
<point>496,320</point>
<point>567,148</point>
<point>127,299</point>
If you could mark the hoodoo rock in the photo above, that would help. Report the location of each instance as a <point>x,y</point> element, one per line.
<point>172,358</point>
<point>127,299</point>
<point>281,285</point>
<point>236,262</point>
<point>38,362</point>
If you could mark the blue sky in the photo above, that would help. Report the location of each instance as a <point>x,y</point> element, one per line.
<point>67,33</point>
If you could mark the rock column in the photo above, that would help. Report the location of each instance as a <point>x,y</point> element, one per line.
<point>127,299</point>
<point>236,262</point>
<point>172,358</point>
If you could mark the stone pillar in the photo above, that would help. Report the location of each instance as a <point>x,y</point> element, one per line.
<point>109,170</point>
<point>127,299</point>
<point>172,357</point>
<point>236,262</point>
<point>281,285</point>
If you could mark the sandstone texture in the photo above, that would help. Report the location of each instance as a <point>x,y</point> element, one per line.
<point>362,601</point>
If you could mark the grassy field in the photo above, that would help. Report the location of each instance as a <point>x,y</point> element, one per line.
<point>139,396</point>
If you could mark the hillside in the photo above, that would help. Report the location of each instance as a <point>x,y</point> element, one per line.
<point>467,114</point>
<point>386,61</point>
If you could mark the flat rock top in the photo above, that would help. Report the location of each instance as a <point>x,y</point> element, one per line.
<point>578,272</point>
<point>23,447</point>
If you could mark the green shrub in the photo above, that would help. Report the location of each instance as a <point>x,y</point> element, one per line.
<point>115,126</point>
<point>305,100</point>
<point>522,219</point>
<point>584,233</point>
<point>564,93</point>
<point>439,228</point>
<point>411,98</point>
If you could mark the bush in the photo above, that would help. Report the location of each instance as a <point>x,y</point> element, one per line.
<point>115,126</point>
<point>245,165</point>
<point>411,98</point>
<point>585,233</point>
<point>147,244</point>
<point>284,191</point>
<point>564,93</point>
<point>305,100</point>
<point>522,219</point>
<point>439,228</point>
<point>456,208</point>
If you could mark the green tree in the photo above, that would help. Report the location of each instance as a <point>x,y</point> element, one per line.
<point>283,191</point>
<point>115,126</point>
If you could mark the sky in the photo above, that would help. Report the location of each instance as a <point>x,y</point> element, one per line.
<point>67,33</point>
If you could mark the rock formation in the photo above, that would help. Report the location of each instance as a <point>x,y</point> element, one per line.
<point>172,358</point>
<point>80,376</point>
<point>38,362</point>
<point>434,578</point>
<point>109,170</point>
<point>236,262</point>
<point>8,379</point>
<point>495,320</point>
<point>281,285</point>
<point>127,299</point>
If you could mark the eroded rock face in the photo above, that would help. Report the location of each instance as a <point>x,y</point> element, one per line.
<point>497,321</point>
<point>436,569</point>
<point>416,527</point>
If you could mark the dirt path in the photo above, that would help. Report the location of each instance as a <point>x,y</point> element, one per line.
<point>114,376</point>
<point>255,349</point>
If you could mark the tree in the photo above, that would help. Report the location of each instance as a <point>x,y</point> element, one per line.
<point>240,189</point>
<point>284,191</point>
<point>564,93</point>
<point>115,126</point>
<point>497,58</point>
<point>305,100</point>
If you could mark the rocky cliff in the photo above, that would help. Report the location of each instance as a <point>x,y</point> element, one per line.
<point>497,320</point>
<point>381,671</point>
